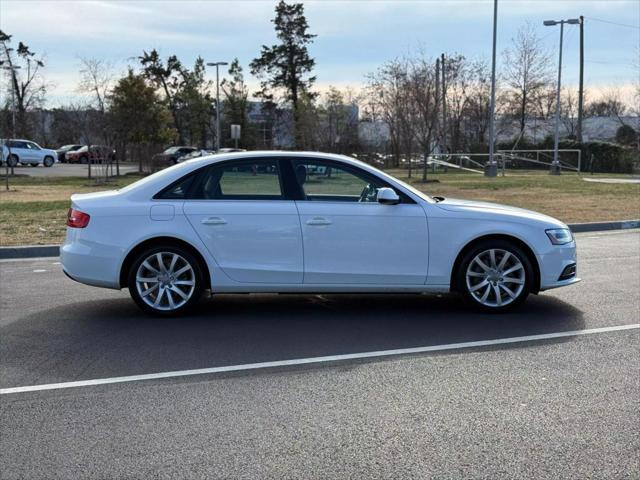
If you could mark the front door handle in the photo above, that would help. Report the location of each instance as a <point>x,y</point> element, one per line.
<point>318,221</point>
<point>214,221</point>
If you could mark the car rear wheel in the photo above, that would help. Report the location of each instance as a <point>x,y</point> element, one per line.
<point>84,159</point>
<point>48,162</point>
<point>165,280</point>
<point>12,160</point>
<point>495,276</point>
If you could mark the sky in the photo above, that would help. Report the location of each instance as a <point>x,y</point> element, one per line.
<point>353,37</point>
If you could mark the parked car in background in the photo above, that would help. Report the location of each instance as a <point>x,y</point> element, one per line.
<point>171,155</point>
<point>306,222</point>
<point>229,150</point>
<point>64,149</point>
<point>27,152</point>
<point>195,154</point>
<point>93,154</point>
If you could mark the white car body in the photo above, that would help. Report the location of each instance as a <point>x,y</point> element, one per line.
<point>301,245</point>
<point>28,152</point>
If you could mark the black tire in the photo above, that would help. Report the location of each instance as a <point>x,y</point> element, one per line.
<point>84,159</point>
<point>13,160</point>
<point>48,162</point>
<point>498,245</point>
<point>198,277</point>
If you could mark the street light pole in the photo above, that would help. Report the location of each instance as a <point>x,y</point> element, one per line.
<point>217,65</point>
<point>555,165</point>
<point>492,168</point>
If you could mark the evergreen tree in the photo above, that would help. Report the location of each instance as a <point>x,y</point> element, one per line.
<point>285,67</point>
<point>235,107</point>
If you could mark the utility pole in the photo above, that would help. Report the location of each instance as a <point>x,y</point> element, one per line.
<point>581,87</point>
<point>217,65</point>
<point>491,170</point>
<point>444,105</point>
<point>555,165</point>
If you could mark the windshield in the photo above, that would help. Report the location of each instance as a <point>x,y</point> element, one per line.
<point>411,188</point>
<point>415,191</point>
<point>172,150</point>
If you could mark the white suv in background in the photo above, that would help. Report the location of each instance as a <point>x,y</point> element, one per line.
<point>27,153</point>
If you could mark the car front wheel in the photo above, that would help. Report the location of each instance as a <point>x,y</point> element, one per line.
<point>166,280</point>
<point>48,161</point>
<point>495,276</point>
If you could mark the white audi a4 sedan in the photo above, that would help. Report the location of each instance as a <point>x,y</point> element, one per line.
<point>286,222</point>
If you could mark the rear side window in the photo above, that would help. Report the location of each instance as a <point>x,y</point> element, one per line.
<point>237,180</point>
<point>242,180</point>
<point>178,190</point>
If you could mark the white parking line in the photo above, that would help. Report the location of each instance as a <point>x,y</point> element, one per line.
<point>315,360</point>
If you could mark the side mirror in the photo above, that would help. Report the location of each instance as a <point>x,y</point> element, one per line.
<point>387,196</point>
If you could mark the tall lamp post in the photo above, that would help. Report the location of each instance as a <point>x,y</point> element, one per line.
<point>491,169</point>
<point>217,65</point>
<point>555,165</point>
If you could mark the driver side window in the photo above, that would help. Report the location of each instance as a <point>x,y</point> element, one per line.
<point>330,183</point>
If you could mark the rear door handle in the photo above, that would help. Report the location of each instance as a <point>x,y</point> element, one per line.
<point>318,221</point>
<point>213,221</point>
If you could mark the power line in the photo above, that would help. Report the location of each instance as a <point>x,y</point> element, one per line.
<point>614,23</point>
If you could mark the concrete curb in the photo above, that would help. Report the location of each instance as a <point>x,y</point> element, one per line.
<point>35,251</point>
<point>600,226</point>
<point>29,251</point>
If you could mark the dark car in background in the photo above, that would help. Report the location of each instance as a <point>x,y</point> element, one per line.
<point>171,155</point>
<point>61,152</point>
<point>93,154</point>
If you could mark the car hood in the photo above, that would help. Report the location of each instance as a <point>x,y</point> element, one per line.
<point>493,210</point>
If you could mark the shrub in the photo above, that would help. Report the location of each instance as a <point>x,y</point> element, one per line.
<point>626,135</point>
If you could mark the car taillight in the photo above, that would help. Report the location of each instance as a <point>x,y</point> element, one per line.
<point>77,219</point>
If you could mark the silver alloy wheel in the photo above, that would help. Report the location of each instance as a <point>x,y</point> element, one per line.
<point>165,281</point>
<point>495,277</point>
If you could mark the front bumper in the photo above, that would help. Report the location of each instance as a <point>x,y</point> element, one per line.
<point>555,264</point>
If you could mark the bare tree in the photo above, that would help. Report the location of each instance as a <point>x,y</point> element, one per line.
<point>527,71</point>
<point>478,101</point>
<point>609,104</point>
<point>28,86</point>
<point>569,102</point>
<point>458,78</point>
<point>423,91</point>
<point>96,79</point>
<point>385,91</point>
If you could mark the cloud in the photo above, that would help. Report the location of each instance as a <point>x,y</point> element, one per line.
<point>354,37</point>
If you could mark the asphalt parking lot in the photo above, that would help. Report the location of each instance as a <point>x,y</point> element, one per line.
<point>566,407</point>
<point>67,170</point>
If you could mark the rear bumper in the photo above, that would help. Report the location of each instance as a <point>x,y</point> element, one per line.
<point>91,263</point>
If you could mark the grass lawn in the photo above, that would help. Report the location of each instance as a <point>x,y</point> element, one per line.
<point>34,210</point>
<point>566,197</point>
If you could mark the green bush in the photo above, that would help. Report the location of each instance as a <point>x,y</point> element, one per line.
<point>607,157</point>
<point>626,135</point>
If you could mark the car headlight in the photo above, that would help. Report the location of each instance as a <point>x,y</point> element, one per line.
<point>559,236</point>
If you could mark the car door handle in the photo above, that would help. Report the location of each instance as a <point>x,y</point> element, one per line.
<point>318,221</point>
<point>213,221</point>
